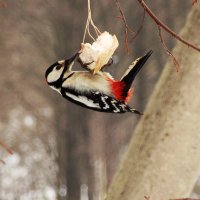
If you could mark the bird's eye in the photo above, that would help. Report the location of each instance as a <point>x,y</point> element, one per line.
<point>58,66</point>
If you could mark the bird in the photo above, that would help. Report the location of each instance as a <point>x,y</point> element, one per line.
<point>98,92</point>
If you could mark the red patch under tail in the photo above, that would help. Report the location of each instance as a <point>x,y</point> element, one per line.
<point>118,90</point>
<point>129,95</point>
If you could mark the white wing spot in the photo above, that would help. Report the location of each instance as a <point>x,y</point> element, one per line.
<point>123,106</point>
<point>103,100</point>
<point>116,109</point>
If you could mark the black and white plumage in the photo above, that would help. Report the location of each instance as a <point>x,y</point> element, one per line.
<point>99,92</point>
<point>97,101</point>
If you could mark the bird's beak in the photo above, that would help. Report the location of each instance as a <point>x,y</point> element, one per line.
<point>69,62</point>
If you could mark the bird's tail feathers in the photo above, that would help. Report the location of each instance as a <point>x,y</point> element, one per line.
<point>135,67</point>
<point>135,111</point>
<point>132,71</point>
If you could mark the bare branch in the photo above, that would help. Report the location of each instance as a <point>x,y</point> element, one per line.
<point>3,5</point>
<point>141,26</point>
<point>176,63</point>
<point>147,197</point>
<point>8,149</point>
<point>127,28</point>
<point>194,2</point>
<point>3,162</point>
<point>165,27</point>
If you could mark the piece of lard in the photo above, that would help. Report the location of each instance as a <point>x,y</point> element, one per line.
<point>97,54</point>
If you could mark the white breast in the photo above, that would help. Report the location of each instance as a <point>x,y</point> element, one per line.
<point>85,81</point>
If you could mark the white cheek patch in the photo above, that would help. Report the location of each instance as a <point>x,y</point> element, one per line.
<point>54,75</point>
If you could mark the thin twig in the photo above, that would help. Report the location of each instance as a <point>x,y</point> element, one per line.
<point>2,161</point>
<point>5,146</point>
<point>194,2</point>
<point>176,63</point>
<point>3,5</point>
<point>141,26</point>
<point>147,197</point>
<point>165,27</point>
<point>127,28</point>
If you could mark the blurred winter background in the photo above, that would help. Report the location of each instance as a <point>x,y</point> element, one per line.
<point>62,151</point>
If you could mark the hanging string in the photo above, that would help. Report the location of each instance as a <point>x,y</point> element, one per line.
<point>89,23</point>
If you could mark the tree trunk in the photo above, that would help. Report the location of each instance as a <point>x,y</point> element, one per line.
<point>163,158</point>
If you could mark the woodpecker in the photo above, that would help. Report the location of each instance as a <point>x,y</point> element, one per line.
<point>99,92</point>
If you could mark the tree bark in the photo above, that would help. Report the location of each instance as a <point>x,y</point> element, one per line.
<point>163,158</point>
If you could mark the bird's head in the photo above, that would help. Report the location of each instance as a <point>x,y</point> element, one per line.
<point>54,74</point>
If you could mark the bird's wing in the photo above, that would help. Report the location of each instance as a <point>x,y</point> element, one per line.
<point>97,101</point>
